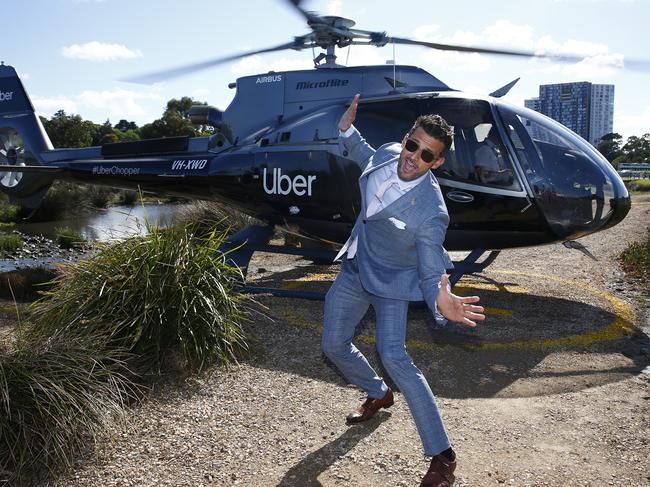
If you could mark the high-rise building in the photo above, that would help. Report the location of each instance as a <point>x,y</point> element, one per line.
<point>532,103</point>
<point>602,112</point>
<point>585,108</point>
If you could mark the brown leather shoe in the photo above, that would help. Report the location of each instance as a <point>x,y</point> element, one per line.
<point>440,474</point>
<point>368,409</point>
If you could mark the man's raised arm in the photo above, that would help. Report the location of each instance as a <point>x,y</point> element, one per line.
<point>358,149</point>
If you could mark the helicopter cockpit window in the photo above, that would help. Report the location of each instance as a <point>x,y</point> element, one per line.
<point>568,178</point>
<point>477,155</point>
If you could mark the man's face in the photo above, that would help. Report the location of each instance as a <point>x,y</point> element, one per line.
<point>413,160</point>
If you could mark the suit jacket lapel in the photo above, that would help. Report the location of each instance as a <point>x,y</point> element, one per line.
<point>363,181</point>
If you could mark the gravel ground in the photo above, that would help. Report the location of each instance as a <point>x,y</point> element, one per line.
<point>553,389</point>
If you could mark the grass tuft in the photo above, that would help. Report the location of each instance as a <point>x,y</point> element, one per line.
<point>10,243</point>
<point>56,396</point>
<point>165,293</point>
<point>68,238</point>
<point>636,260</point>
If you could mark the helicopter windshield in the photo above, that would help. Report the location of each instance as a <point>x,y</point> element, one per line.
<point>477,155</point>
<point>572,183</point>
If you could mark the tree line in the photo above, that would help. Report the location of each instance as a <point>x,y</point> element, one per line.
<point>68,130</point>
<point>635,149</point>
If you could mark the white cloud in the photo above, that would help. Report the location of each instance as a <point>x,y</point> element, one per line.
<point>592,60</point>
<point>451,60</point>
<point>99,51</point>
<point>113,104</point>
<point>505,33</point>
<point>49,106</point>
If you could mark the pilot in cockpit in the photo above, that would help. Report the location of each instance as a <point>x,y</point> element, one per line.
<point>489,164</point>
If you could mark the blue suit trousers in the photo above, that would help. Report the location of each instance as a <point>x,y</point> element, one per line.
<point>345,304</point>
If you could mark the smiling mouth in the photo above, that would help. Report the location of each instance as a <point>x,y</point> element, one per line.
<point>409,165</point>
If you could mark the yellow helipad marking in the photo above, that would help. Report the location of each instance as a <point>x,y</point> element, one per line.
<point>296,283</point>
<point>462,289</point>
<point>622,325</point>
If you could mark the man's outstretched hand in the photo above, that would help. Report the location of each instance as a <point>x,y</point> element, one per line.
<point>456,308</point>
<point>350,114</point>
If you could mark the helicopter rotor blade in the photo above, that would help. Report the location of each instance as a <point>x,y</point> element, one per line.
<point>310,17</point>
<point>633,64</point>
<point>151,78</point>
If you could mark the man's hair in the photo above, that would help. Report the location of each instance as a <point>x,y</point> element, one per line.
<point>435,126</point>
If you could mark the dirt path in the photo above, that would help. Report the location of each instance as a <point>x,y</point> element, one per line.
<point>554,389</point>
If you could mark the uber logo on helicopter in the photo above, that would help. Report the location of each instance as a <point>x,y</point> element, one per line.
<point>283,184</point>
<point>7,95</point>
<point>330,83</point>
<point>188,164</point>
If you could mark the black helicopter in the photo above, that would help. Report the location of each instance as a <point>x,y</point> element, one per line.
<point>512,178</point>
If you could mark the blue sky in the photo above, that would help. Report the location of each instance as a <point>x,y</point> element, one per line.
<point>71,53</point>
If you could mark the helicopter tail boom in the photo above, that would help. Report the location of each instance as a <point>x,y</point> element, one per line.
<point>22,140</point>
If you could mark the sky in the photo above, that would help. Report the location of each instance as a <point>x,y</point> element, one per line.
<point>72,54</point>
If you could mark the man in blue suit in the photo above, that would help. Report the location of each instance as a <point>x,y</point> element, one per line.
<point>394,255</point>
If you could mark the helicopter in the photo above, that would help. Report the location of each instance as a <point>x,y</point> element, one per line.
<point>512,178</point>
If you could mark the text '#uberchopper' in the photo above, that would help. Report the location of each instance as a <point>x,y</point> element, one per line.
<point>512,178</point>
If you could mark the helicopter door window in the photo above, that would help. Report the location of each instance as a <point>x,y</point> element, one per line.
<point>390,120</point>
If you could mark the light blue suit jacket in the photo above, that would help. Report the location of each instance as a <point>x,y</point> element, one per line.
<point>399,263</point>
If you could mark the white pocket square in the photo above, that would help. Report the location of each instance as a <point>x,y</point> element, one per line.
<point>398,223</point>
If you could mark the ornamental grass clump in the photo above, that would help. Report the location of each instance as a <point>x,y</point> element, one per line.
<point>165,294</point>
<point>56,396</point>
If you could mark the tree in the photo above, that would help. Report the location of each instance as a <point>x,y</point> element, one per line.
<point>70,130</point>
<point>124,126</point>
<point>610,146</point>
<point>175,120</point>
<point>637,149</point>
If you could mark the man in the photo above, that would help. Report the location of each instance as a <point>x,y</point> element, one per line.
<point>395,255</point>
<point>488,167</point>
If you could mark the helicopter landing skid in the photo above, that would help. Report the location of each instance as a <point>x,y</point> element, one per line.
<point>255,238</point>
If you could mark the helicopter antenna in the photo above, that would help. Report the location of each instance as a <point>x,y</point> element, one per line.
<point>347,58</point>
<point>394,62</point>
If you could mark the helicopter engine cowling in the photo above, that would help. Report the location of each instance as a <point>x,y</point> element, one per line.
<point>22,139</point>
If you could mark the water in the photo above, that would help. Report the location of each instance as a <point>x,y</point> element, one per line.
<point>117,222</point>
<point>113,223</point>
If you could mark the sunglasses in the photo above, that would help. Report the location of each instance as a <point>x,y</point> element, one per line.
<point>426,155</point>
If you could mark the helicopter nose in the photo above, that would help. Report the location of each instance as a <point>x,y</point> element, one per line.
<point>620,206</point>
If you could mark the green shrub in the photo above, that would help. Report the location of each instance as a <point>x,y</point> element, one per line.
<point>100,196</point>
<point>8,213</point>
<point>155,295</point>
<point>636,260</point>
<point>9,243</point>
<point>68,238</point>
<point>127,197</point>
<point>56,396</point>
<point>7,226</point>
<point>60,199</point>
<point>639,185</point>
<point>206,216</point>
